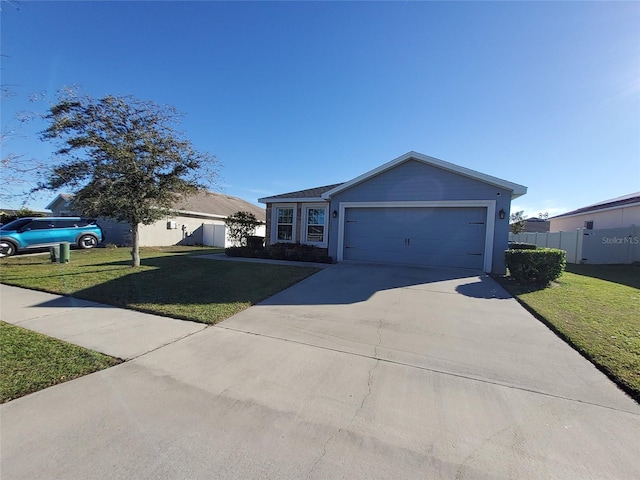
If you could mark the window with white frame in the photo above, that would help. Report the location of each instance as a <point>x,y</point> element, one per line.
<point>284,224</point>
<point>315,224</point>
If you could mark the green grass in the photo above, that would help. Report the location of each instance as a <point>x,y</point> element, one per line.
<point>169,282</point>
<point>30,361</point>
<point>596,308</point>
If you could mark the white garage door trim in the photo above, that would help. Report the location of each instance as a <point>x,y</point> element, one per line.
<point>490,205</point>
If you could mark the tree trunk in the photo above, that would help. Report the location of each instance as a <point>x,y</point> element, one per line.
<point>135,246</point>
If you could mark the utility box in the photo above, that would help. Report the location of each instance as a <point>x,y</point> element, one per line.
<point>54,252</point>
<point>171,225</point>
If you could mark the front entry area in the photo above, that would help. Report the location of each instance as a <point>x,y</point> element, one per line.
<point>426,236</point>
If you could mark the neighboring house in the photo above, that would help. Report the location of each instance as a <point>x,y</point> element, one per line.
<point>199,221</point>
<point>414,210</point>
<point>536,225</point>
<point>11,213</point>
<point>615,213</point>
<point>61,206</point>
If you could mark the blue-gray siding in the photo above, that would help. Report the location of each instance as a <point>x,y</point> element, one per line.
<point>417,181</point>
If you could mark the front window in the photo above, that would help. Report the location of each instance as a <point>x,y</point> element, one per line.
<point>315,225</point>
<point>284,227</point>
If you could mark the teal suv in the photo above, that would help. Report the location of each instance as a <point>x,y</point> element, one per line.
<point>28,233</point>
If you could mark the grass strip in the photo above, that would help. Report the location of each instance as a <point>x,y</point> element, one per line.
<point>30,361</point>
<point>170,282</point>
<point>596,309</point>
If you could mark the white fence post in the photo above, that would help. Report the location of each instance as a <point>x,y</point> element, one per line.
<point>579,243</point>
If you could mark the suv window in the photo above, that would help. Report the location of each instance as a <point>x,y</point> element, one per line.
<point>68,223</point>
<point>39,225</point>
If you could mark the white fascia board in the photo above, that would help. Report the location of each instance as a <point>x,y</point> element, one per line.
<point>199,214</point>
<point>516,189</point>
<point>292,200</point>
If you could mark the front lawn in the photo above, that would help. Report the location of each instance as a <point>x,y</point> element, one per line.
<point>30,361</point>
<point>595,308</point>
<point>169,282</point>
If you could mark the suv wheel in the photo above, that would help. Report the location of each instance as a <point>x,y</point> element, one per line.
<point>87,241</point>
<point>7,248</point>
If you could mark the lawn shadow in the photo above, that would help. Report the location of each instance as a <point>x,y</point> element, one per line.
<point>173,281</point>
<point>628,275</point>
<point>176,251</point>
<point>65,301</point>
<point>182,287</point>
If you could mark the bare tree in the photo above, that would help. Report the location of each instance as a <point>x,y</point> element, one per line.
<point>518,222</point>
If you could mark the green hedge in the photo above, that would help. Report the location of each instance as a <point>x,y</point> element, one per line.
<point>535,266</point>
<point>282,251</point>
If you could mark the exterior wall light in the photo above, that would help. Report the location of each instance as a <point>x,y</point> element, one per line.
<point>335,214</point>
<point>502,214</point>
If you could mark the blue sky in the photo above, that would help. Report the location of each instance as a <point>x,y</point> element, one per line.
<point>293,95</point>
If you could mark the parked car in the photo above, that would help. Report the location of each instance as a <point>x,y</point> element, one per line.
<point>37,232</point>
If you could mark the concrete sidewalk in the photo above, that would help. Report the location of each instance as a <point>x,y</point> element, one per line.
<point>114,331</point>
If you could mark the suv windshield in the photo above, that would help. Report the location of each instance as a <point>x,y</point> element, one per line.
<point>16,224</point>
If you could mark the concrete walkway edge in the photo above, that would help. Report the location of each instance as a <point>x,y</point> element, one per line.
<point>114,331</point>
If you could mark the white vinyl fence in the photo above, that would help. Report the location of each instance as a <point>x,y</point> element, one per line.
<point>610,245</point>
<point>214,235</point>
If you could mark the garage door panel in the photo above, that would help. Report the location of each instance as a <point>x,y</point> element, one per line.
<point>421,236</point>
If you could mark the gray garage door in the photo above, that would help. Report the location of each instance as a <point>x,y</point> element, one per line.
<point>451,237</point>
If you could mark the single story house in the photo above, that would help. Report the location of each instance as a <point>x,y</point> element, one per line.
<point>614,213</point>
<point>415,210</point>
<point>199,220</point>
<point>536,225</point>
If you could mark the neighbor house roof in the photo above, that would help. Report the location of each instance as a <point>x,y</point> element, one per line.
<point>618,202</point>
<point>535,224</point>
<point>218,204</point>
<point>203,203</point>
<point>13,212</point>
<point>325,193</point>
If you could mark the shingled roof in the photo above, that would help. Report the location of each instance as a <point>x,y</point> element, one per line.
<point>219,204</point>
<point>205,203</point>
<point>631,199</point>
<point>306,194</point>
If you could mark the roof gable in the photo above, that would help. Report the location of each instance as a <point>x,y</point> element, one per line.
<point>64,198</point>
<point>516,189</point>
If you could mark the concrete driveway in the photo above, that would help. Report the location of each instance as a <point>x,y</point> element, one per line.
<point>360,371</point>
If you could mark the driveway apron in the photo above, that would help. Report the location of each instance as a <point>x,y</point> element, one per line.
<point>359,371</point>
